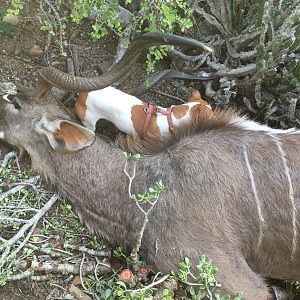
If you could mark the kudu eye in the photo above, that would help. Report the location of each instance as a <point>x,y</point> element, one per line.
<point>16,104</point>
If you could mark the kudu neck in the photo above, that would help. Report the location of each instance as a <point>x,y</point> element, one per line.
<point>98,160</point>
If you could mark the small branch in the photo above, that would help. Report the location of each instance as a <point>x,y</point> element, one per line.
<point>19,187</point>
<point>81,271</point>
<point>9,219</point>
<point>183,56</point>
<point>249,106</point>
<point>270,111</point>
<point>27,183</point>
<point>170,96</point>
<point>136,249</point>
<point>292,108</point>
<point>208,290</point>
<point>258,92</point>
<point>210,19</point>
<point>30,224</point>
<point>167,74</point>
<point>242,71</point>
<point>241,55</point>
<point>212,62</point>
<point>26,274</point>
<point>54,267</point>
<point>151,284</point>
<point>245,37</point>
<point>74,53</point>
<point>6,159</point>
<point>59,20</point>
<point>209,91</point>
<point>192,283</point>
<point>265,22</point>
<point>50,252</point>
<point>129,177</point>
<point>101,253</point>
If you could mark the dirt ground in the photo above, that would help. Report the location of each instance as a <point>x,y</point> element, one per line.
<point>23,51</point>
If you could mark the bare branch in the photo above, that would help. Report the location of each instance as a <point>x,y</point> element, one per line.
<point>6,159</point>
<point>18,187</point>
<point>101,253</point>
<point>292,108</point>
<point>177,53</point>
<point>242,71</point>
<point>210,19</point>
<point>30,224</point>
<point>151,284</point>
<point>170,96</point>
<point>53,267</point>
<point>258,92</point>
<point>245,37</point>
<point>248,104</point>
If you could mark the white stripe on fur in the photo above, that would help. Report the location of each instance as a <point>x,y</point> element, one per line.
<point>258,204</point>
<point>291,193</point>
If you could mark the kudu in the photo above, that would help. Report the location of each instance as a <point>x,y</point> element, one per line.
<point>232,193</point>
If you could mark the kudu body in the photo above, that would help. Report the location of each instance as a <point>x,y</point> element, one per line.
<point>233,190</point>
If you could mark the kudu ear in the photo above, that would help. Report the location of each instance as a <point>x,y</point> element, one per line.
<point>65,136</point>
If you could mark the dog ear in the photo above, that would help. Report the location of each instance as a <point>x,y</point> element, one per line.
<point>195,95</point>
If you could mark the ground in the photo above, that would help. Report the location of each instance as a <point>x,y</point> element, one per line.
<point>24,49</point>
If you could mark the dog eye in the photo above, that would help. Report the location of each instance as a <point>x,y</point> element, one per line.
<point>16,104</point>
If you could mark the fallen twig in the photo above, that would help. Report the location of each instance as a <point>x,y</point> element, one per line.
<point>170,96</point>
<point>19,187</point>
<point>6,159</point>
<point>151,284</point>
<point>30,224</point>
<point>55,267</point>
<point>292,108</point>
<point>101,253</point>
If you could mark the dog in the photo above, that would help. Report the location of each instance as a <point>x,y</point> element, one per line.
<point>135,117</point>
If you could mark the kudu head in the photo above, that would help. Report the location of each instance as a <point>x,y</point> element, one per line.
<point>49,76</point>
<point>24,124</point>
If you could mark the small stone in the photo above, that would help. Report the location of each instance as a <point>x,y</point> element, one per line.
<point>14,20</point>
<point>170,284</point>
<point>78,294</point>
<point>18,49</point>
<point>10,46</point>
<point>35,50</point>
<point>55,63</point>
<point>74,35</point>
<point>76,280</point>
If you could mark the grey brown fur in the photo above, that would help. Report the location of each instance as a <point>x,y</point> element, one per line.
<point>209,205</point>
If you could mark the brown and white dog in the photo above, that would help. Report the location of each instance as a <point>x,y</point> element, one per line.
<point>135,117</point>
